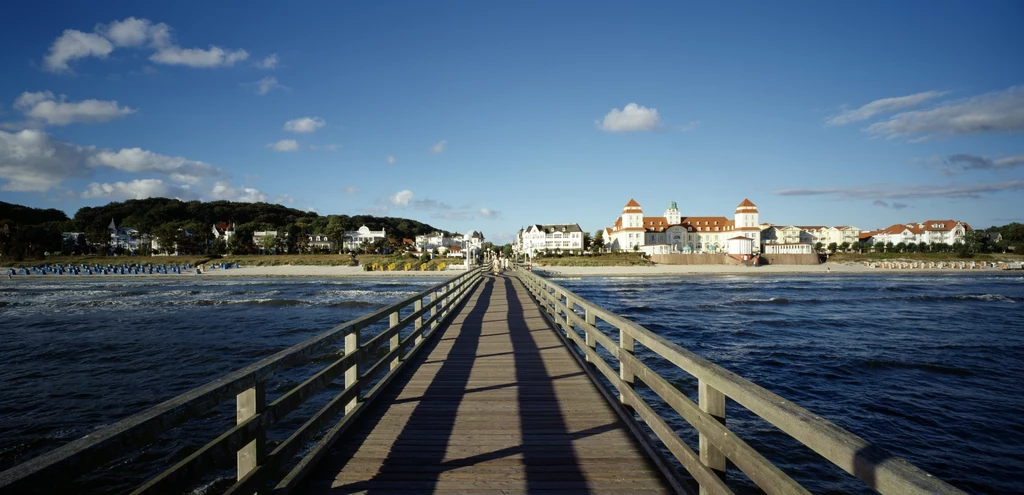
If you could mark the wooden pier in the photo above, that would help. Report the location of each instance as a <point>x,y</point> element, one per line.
<point>498,405</point>
<point>482,384</point>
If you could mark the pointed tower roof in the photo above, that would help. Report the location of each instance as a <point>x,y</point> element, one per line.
<point>632,202</point>
<point>746,207</point>
<point>112,226</point>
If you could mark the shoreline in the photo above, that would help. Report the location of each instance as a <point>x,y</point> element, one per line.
<point>548,271</point>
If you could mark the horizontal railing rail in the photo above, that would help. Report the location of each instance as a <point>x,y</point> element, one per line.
<point>575,315</point>
<point>245,443</point>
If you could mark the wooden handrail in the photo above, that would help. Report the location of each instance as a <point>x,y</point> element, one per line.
<point>871,464</point>
<point>245,442</point>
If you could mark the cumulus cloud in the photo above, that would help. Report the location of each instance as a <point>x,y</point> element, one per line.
<point>43,106</point>
<point>631,118</point>
<point>138,160</point>
<point>265,85</point>
<point>440,146</point>
<point>135,33</point>
<point>284,145</point>
<point>401,198</point>
<point>304,124</point>
<point>490,214</point>
<point>223,190</point>
<point>32,160</point>
<point>963,162</point>
<point>74,44</point>
<point>391,160</point>
<point>884,105</point>
<point>138,189</point>
<point>962,191</point>
<point>269,63</point>
<point>350,190</point>
<point>999,111</point>
<point>214,56</point>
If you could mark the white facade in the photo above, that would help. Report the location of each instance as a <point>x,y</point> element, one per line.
<point>795,248</point>
<point>538,238</point>
<point>929,232</point>
<point>126,238</point>
<point>674,233</point>
<point>355,238</point>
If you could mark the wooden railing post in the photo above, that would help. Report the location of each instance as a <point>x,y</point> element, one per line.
<point>712,402</point>
<point>591,320</point>
<point>626,344</point>
<point>570,307</point>
<point>433,311</point>
<point>352,373</point>
<point>395,339</point>
<point>248,404</point>
<point>418,323</point>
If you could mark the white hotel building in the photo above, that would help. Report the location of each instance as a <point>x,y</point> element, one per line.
<point>674,233</point>
<point>538,238</point>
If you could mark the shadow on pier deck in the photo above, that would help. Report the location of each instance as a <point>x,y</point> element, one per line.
<point>495,404</point>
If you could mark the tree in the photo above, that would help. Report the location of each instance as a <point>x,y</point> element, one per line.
<point>845,246</point>
<point>832,247</point>
<point>901,246</point>
<point>817,247</point>
<point>922,246</point>
<point>879,247</point>
<point>598,243</point>
<point>888,247</point>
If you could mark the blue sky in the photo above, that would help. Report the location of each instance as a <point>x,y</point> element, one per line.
<point>487,116</point>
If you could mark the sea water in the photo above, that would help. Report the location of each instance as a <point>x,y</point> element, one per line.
<point>929,367</point>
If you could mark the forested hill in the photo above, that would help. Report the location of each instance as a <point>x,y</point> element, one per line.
<point>24,215</point>
<point>147,215</point>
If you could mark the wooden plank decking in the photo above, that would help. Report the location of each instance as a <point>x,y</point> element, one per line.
<point>495,405</point>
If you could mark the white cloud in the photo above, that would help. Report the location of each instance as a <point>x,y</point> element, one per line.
<point>133,32</point>
<point>350,190</point>
<point>631,118</point>
<point>440,147</point>
<point>266,85</point>
<point>965,162</point>
<point>401,198</point>
<point>74,44</point>
<point>285,198</point>
<point>138,160</point>
<point>999,111</point>
<point>32,160</point>
<point>304,124</point>
<point>884,105</point>
<point>138,189</point>
<point>269,63</point>
<point>44,106</point>
<point>215,56</point>
<point>490,214</point>
<point>284,145</point>
<point>223,190</point>
<point>391,160</point>
<point>137,33</point>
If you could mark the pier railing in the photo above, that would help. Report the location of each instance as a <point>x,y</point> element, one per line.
<point>244,445</point>
<point>578,319</point>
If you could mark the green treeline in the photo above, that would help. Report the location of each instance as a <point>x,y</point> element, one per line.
<point>29,232</point>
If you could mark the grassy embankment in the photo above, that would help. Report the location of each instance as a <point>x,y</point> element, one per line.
<point>927,257</point>
<point>614,259</point>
